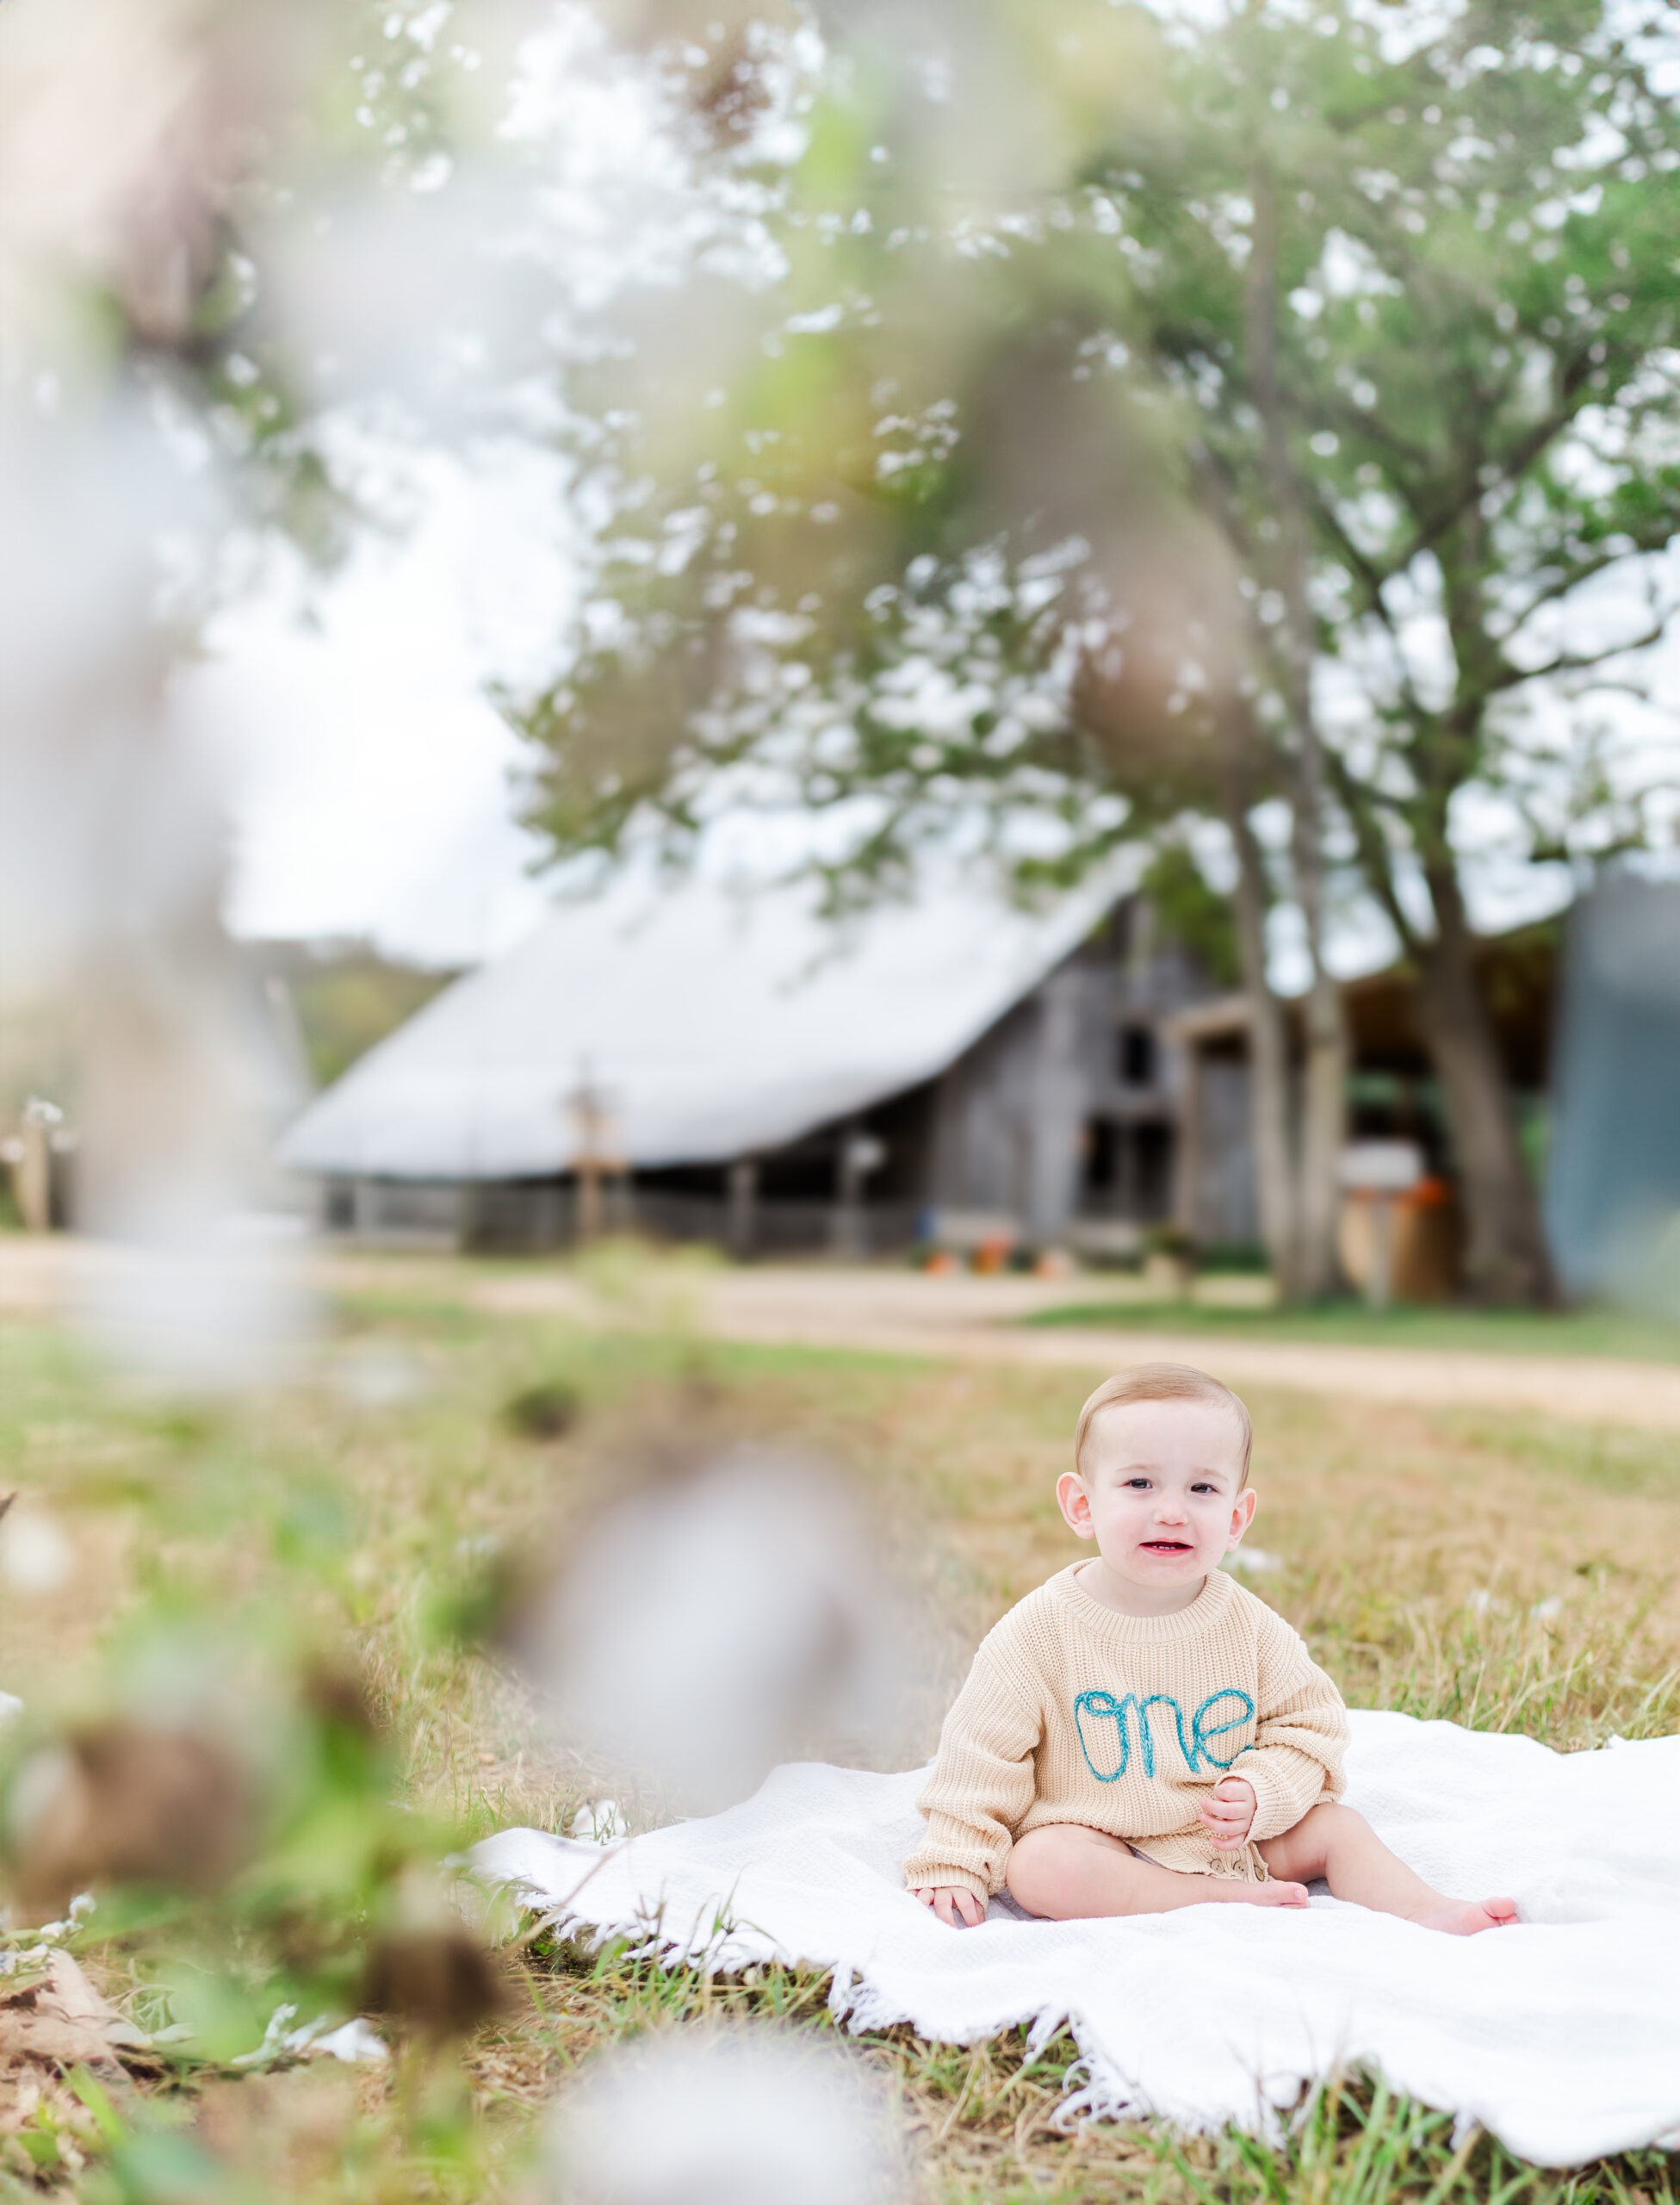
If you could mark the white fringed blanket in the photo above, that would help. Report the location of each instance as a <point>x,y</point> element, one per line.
<point>1561,2036</point>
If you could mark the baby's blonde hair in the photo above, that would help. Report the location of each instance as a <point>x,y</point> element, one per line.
<point>1163,1381</point>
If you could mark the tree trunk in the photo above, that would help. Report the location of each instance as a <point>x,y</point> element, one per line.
<point>1323,1129</point>
<point>1323,1100</point>
<point>1317,1152</point>
<point>1506,1260</point>
<point>1275,1190</point>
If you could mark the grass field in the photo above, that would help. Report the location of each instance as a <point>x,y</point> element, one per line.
<point>1506,1572</point>
<point>1489,1332</point>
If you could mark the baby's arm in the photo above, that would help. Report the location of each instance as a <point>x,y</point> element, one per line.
<point>1300,1735</point>
<point>981,1786</point>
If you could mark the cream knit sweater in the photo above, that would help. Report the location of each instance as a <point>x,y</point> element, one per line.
<point>1074,1713</point>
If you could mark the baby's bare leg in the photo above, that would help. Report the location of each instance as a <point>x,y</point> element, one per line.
<point>1341,1846</point>
<point>1067,1874</point>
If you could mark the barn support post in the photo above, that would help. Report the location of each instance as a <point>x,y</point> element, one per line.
<point>1056,1117</point>
<point>858,1154</point>
<point>1186,1190</point>
<point>849,1166</point>
<point>743,1224</point>
<point>31,1174</point>
<point>365,1208</point>
<point>594,1159</point>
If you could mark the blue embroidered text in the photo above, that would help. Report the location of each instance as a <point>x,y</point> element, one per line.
<point>1102,1707</point>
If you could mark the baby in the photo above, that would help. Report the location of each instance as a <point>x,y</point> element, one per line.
<point>1142,1732</point>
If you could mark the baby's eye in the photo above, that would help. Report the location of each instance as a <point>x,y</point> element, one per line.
<point>1139,1485</point>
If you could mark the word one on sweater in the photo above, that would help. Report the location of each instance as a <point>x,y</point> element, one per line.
<point>1076,1713</point>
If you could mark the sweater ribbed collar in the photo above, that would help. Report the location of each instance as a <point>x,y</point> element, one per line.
<point>1210,1605</point>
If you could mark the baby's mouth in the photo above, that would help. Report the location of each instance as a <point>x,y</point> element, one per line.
<point>1167,1546</point>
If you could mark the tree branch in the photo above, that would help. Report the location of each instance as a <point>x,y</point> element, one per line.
<point>1374,855</point>
<point>1364,569</point>
<point>1372,581</point>
<point>1582,571</point>
<point>1654,537</point>
<point>1514,465</point>
<point>1512,677</point>
<point>1369,425</point>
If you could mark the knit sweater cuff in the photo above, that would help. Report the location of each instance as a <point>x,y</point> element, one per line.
<point>1275,1807</point>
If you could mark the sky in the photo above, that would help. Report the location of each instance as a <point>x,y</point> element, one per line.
<point>371,787</point>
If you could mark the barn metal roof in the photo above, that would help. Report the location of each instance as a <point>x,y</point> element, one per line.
<point>710,1022</point>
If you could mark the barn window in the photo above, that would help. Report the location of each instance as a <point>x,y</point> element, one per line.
<point>1136,1056</point>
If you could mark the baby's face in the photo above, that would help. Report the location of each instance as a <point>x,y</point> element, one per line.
<point>1161,1490</point>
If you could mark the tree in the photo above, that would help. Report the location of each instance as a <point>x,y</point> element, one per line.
<point>1470,413</point>
<point>1270,458</point>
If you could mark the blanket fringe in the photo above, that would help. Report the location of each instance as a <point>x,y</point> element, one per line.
<point>718,1945</point>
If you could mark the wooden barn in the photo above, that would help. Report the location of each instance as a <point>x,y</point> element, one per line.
<point>733,1067</point>
<point>697,1062</point>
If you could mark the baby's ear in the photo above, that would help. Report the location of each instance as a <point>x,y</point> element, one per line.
<point>1242,1514</point>
<point>1075,1504</point>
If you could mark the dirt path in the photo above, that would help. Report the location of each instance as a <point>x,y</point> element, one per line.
<point>960,1318</point>
<point>978,1320</point>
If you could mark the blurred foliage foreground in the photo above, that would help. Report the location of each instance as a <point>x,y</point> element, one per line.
<point>262,1706</point>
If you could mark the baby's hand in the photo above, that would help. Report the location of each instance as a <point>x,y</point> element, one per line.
<point>949,1901</point>
<point>1229,1812</point>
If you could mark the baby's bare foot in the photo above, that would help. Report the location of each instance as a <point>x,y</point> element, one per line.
<point>1271,1894</point>
<point>1465,1917</point>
